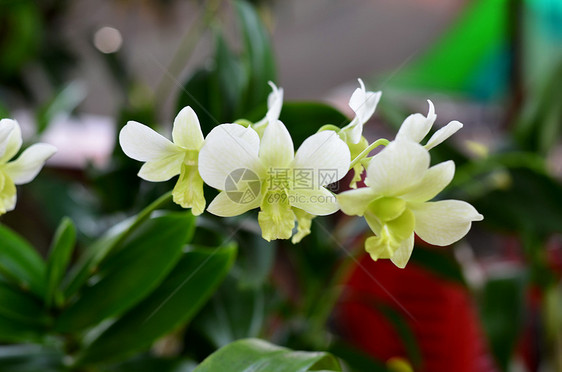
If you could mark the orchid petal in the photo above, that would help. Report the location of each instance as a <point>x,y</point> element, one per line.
<point>416,126</point>
<point>6,128</point>
<point>319,202</point>
<point>276,219</point>
<point>402,255</point>
<point>326,155</point>
<point>355,202</point>
<point>276,148</point>
<point>12,143</point>
<point>141,143</point>
<point>304,223</point>
<point>433,182</point>
<point>274,103</point>
<point>397,167</point>
<point>188,191</point>
<point>187,130</point>
<point>7,196</point>
<point>444,222</point>
<point>162,169</point>
<point>363,103</point>
<point>223,206</point>
<point>442,134</point>
<point>227,148</point>
<point>27,166</point>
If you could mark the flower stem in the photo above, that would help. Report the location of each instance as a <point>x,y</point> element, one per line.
<point>329,127</point>
<point>372,146</point>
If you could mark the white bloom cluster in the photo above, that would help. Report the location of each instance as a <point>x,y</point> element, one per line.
<point>22,170</point>
<point>256,166</point>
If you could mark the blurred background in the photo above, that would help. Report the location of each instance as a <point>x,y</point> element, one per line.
<point>73,72</point>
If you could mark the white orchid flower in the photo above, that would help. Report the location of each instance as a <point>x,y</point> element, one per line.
<point>22,170</point>
<point>165,159</point>
<point>268,174</point>
<point>363,103</point>
<point>396,202</point>
<point>274,105</point>
<point>417,126</point>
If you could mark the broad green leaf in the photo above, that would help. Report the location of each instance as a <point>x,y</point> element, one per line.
<point>502,312</point>
<point>30,358</point>
<point>21,37</point>
<point>201,93</point>
<point>148,363</point>
<point>232,79</point>
<point>59,257</point>
<point>233,313</point>
<point>20,306</point>
<point>439,262</point>
<point>13,330</point>
<point>112,240</point>
<point>254,355</point>
<point>255,256</point>
<point>356,359</point>
<point>258,51</point>
<point>540,123</point>
<point>58,197</point>
<point>20,263</point>
<point>529,201</point>
<point>131,273</point>
<point>63,103</point>
<point>171,305</point>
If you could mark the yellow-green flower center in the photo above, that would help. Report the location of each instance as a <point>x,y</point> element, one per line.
<point>276,217</point>
<point>7,192</point>
<point>397,224</point>
<point>188,191</point>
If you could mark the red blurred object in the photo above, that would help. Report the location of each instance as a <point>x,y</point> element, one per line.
<point>439,313</point>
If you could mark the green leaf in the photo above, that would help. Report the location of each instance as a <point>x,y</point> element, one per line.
<point>255,259</point>
<point>21,35</point>
<point>131,273</point>
<point>529,201</point>
<point>232,79</point>
<point>260,356</point>
<point>439,262</point>
<point>258,53</point>
<point>233,313</point>
<point>356,359</point>
<point>502,313</point>
<point>13,330</point>
<point>404,331</point>
<point>112,240</point>
<point>65,101</point>
<point>171,305</point>
<point>59,257</point>
<point>148,363</point>
<point>201,93</point>
<point>30,358</point>
<point>20,263</point>
<point>540,122</point>
<point>20,306</point>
